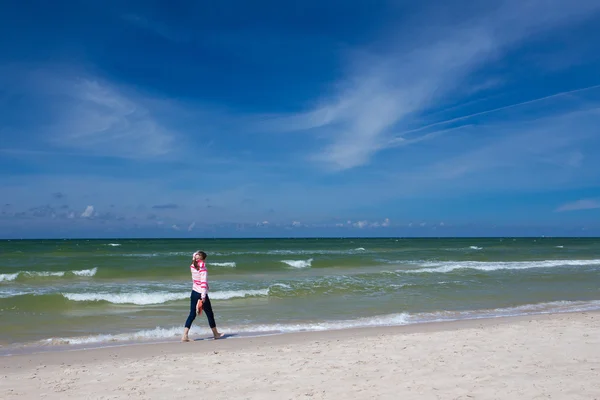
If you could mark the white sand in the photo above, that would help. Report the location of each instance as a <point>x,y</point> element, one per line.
<point>543,357</point>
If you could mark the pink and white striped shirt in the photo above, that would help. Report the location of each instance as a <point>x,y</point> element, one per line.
<point>200,279</point>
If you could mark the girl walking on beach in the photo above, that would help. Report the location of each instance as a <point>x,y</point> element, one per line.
<point>199,293</point>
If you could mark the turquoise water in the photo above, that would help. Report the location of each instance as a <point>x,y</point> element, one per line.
<point>73,292</point>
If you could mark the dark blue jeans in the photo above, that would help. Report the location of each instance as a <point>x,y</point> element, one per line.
<point>206,308</point>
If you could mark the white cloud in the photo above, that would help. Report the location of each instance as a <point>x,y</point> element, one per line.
<point>377,224</point>
<point>361,224</point>
<point>101,119</point>
<point>526,144</point>
<point>386,91</point>
<point>175,227</point>
<point>583,204</point>
<point>89,212</point>
<point>90,116</point>
<point>296,223</point>
<point>192,225</point>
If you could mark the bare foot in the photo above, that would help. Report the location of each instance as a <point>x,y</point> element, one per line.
<point>185,339</point>
<point>218,335</point>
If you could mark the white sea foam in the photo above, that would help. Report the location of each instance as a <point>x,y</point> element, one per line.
<point>4,294</point>
<point>298,263</point>
<point>360,249</point>
<point>34,274</point>
<point>232,294</point>
<point>148,298</point>
<point>400,285</point>
<point>114,244</point>
<point>151,334</point>
<point>380,320</point>
<point>173,333</point>
<point>8,277</point>
<point>475,248</point>
<point>281,285</point>
<point>498,265</point>
<point>86,272</point>
<point>45,274</point>
<point>223,264</point>
<point>526,309</point>
<point>560,247</point>
<point>138,298</point>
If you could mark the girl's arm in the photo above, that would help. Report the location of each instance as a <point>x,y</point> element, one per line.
<point>203,284</point>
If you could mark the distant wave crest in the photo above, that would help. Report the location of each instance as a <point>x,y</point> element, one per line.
<point>298,263</point>
<point>148,298</point>
<point>45,274</point>
<point>449,266</point>
<point>8,277</point>
<point>223,264</point>
<point>138,298</point>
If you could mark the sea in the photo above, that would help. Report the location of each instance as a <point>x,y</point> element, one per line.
<point>67,294</point>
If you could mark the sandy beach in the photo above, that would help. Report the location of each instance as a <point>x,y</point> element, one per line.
<point>536,357</point>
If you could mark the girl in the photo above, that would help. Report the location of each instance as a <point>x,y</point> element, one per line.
<point>199,293</point>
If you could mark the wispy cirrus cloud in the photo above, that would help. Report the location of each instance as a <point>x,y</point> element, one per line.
<point>524,155</point>
<point>463,119</point>
<point>583,204</point>
<point>101,119</point>
<point>525,144</point>
<point>388,91</point>
<point>85,115</point>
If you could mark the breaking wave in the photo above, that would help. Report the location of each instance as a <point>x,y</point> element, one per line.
<point>223,264</point>
<point>298,263</point>
<point>45,274</point>
<point>149,298</point>
<point>498,265</point>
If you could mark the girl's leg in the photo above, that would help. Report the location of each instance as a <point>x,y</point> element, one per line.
<point>207,307</point>
<point>194,297</point>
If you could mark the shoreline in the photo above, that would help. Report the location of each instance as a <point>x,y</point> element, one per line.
<point>522,357</point>
<point>26,348</point>
<point>239,341</point>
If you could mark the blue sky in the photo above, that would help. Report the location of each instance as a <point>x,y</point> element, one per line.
<point>337,118</point>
